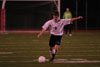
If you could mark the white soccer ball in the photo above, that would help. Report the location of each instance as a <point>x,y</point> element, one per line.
<point>41,59</point>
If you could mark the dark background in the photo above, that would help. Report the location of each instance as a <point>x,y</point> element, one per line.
<point>91,14</point>
<point>32,15</point>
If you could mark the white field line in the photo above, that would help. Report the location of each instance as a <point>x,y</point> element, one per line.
<point>56,61</point>
<point>43,41</point>
<point>93,47</point>
<point>72,61</point>
<point>35,47</point>
<point>18,52</point>
<point>37,41</point>
<point>6,53</point>
<point>80,44</point>
<point>13,61</point>
<point>48,51</point>
<point>43,47</point>
<point>79,55</point>
<point>56,55</point>
<point>16,56</point>
<point>41,50</point>
<point>59,51</point>
<point>15,45</point>
<point>77,61</point>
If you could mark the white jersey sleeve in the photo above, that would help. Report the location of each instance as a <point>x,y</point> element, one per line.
<point>67,21</point>
<point>46,25</point>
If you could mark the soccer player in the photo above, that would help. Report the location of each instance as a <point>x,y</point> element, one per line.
<point>55,26</point>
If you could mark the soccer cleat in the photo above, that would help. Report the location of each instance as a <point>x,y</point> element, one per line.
<point>52,58</point>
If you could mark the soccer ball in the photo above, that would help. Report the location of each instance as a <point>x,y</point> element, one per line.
<point>41,59</point>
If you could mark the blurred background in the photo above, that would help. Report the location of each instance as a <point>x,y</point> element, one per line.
<point>90,10</point>
<point>31,15</point>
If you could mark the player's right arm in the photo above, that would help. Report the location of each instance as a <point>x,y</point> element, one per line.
<point>44,27</point>
<point>41,32</point>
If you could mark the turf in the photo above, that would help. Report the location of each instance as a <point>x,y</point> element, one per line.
<point>20,50</point>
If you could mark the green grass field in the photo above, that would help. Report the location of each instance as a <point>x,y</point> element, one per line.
<point>20,50</point>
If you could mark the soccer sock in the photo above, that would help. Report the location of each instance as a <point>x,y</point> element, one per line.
<point>54,51</point>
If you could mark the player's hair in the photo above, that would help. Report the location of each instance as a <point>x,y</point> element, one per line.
<point>55,13</point>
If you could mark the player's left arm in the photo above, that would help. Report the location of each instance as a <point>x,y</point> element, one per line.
<point>76,18</point>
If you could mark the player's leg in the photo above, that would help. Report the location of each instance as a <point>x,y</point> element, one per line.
<point>51,45</point>
<point>53,52</point>
<point>56,47</point>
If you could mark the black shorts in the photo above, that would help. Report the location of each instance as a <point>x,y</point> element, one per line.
<point>54,40</point>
